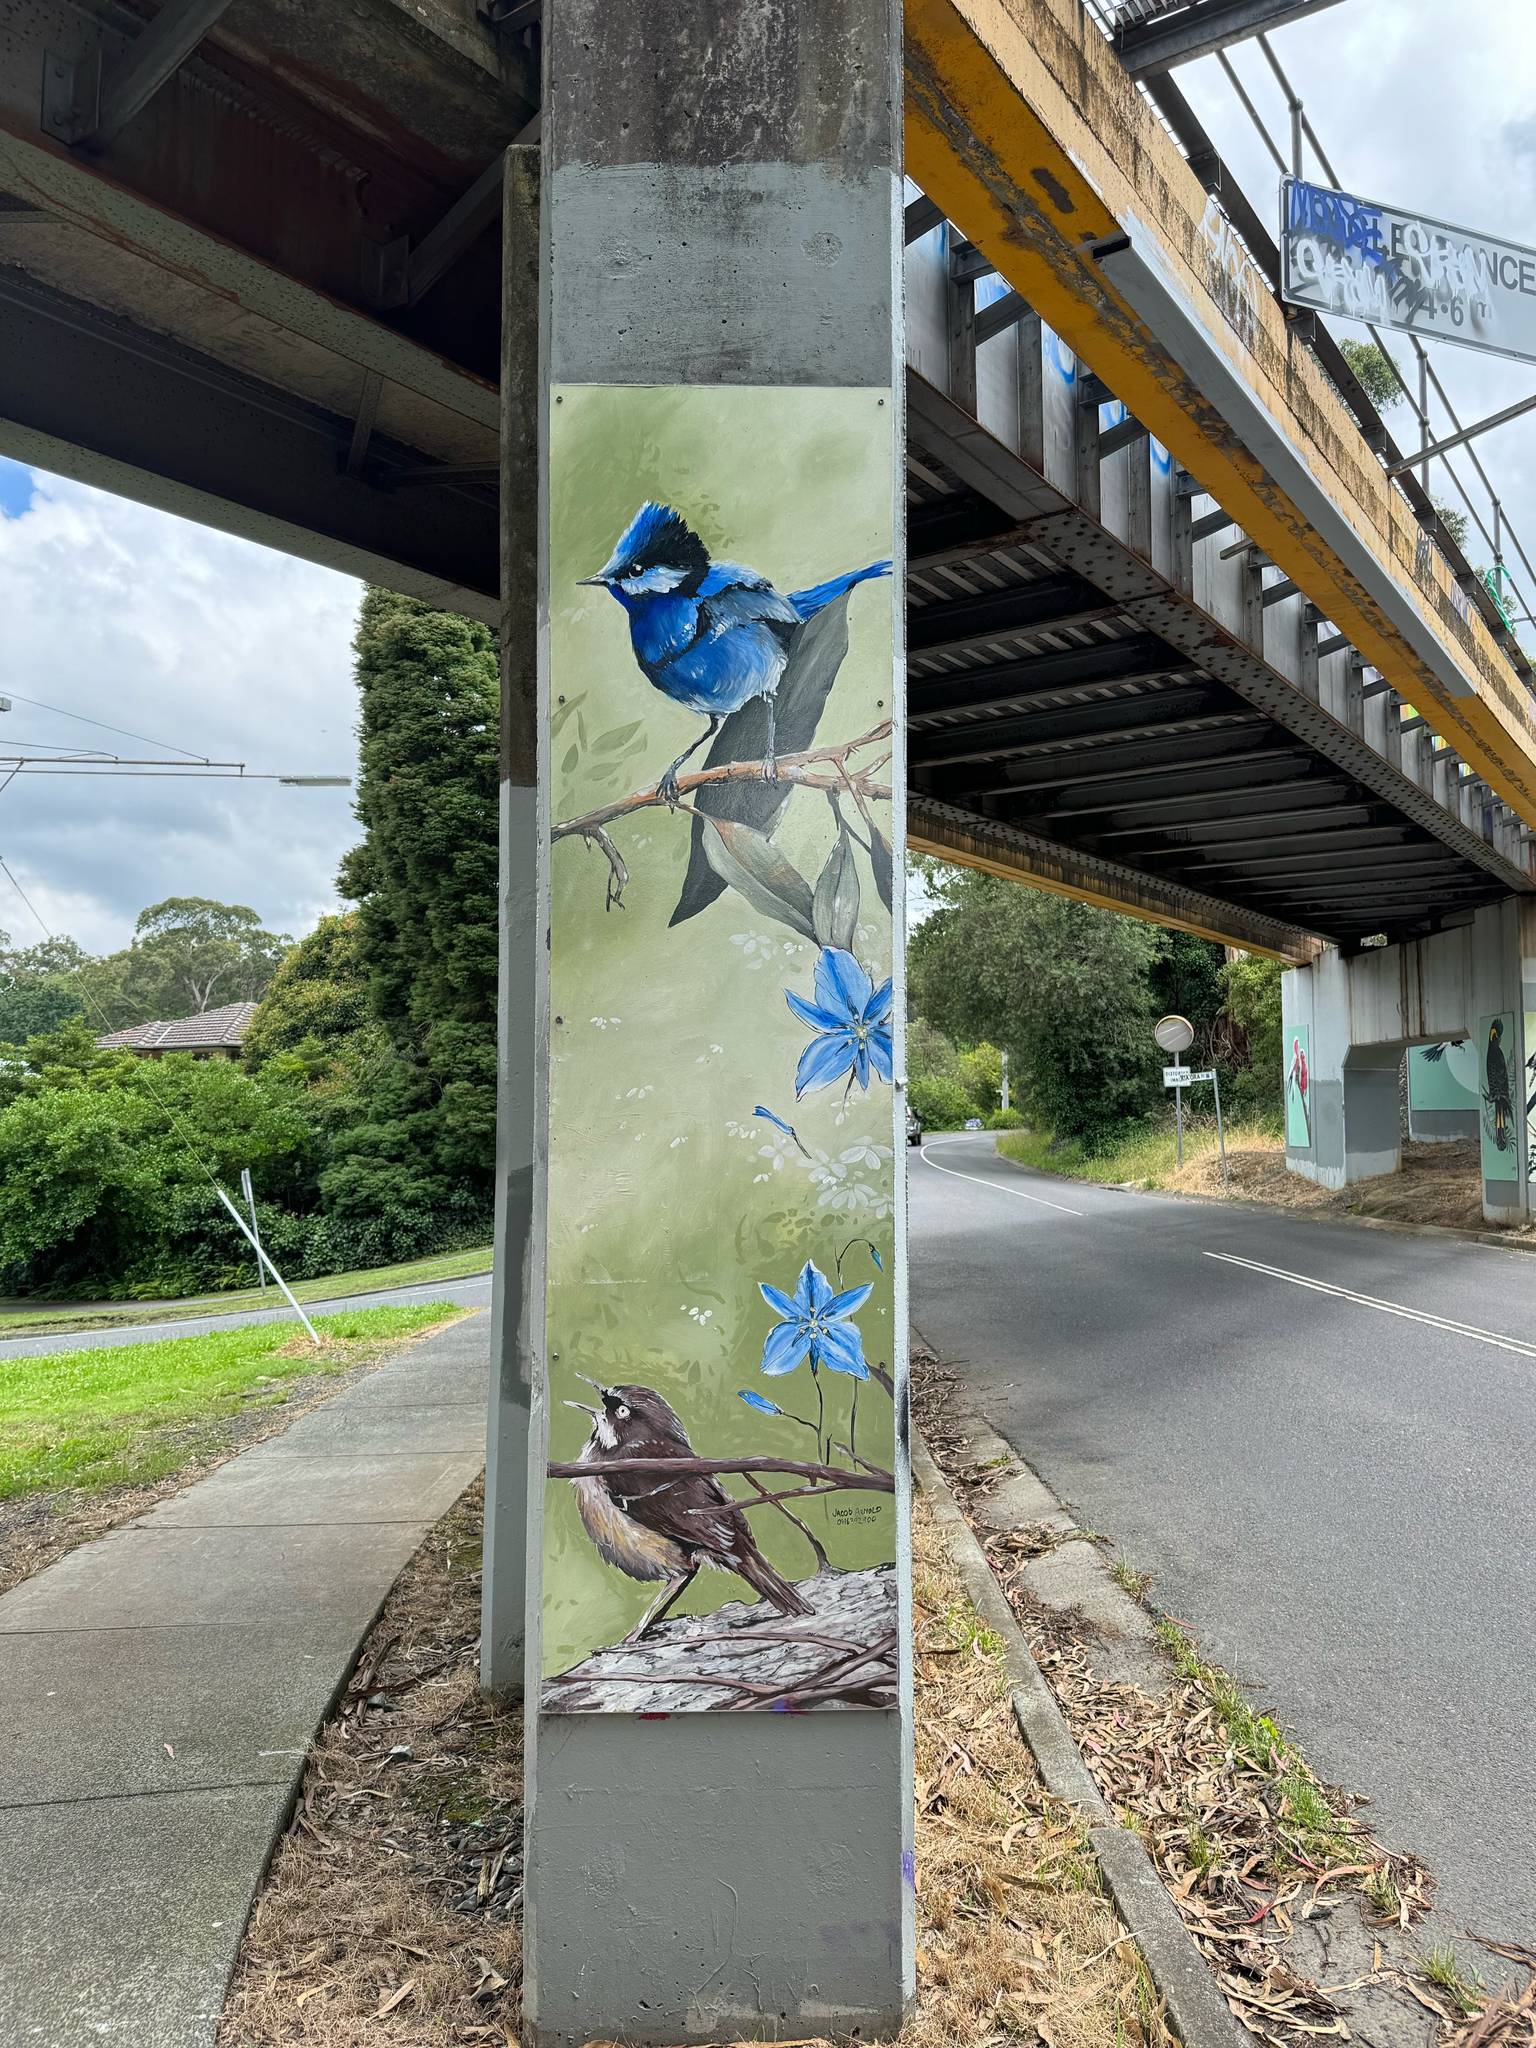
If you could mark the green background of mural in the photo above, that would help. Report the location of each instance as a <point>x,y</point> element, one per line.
<point>1435,1084</point>
<point>1296,1131</point>
<point>668,1201</point>
<point>1499,1165</point>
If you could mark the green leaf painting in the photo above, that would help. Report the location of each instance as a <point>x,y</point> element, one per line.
<point>721,1344</point>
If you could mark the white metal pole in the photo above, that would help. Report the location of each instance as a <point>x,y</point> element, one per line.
<point>314,1335</point>
<point>1221,1135</point>
<point>1003,1101</point>
<point>250,1202</point>
<point>1178,1118</point>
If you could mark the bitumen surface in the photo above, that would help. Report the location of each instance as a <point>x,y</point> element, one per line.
<point>160,1688</point>
<point>1319,1438</point>
<point>472,1292</point>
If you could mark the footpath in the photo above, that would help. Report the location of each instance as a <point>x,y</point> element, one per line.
<point>160,1689</point>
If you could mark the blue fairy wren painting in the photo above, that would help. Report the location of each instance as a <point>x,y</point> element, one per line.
<point>723,1370</point>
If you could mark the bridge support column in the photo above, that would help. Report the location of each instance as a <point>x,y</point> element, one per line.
<point>1349,1019</point>
<point>721,384</point>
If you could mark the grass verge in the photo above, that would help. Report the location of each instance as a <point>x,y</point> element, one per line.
<point>91,1439</point>
<point>99,1315</point>
<point>1146,1155</point>
<point>110,1416</point>
<point>392,1911</point>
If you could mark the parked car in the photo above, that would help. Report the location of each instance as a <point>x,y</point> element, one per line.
<point>914,1128</point>
<point>973,1123</point>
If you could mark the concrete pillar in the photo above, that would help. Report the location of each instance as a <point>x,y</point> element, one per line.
<point>721,264</point>
<point>517,1283</point>
<point>1348,1020</point>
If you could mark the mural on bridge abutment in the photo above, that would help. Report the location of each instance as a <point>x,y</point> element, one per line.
<point>1444,1076</point>
<point>1298,1092</point>
<point>1503,1128</point>
<point>720,1512</point>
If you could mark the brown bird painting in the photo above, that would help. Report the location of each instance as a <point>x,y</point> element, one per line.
<point>655,1527</point>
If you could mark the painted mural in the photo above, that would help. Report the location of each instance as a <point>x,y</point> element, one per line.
<point>1530,1096</point>
<point>1503,1133</point>
<point>720,1512</point>
<point>1445,1075</point>
<point>1298,1092</point>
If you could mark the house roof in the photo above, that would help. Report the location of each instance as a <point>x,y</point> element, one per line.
<point>224,1028</point>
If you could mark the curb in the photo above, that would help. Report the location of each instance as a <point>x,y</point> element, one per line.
<point>1199,2014</point>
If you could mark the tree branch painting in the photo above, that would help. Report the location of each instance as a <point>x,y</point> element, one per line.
<point>824,768</point>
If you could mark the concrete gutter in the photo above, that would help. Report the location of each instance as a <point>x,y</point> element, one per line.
<point>1197,2011</point>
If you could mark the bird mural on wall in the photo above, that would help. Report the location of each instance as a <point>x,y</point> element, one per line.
<point>712,636</point>
<point>1497,1095</point>
<point>1299,1080</point>
<point>657,1528</point>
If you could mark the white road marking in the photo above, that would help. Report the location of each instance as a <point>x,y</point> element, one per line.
<point>1390,1308</point>
<point>1001,1187</point>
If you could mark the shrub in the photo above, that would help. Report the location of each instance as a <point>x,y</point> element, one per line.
<point>1005,1120</point>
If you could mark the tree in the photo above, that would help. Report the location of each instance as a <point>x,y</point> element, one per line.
<point>105,1165</point>
<point>1250,1034</point>
<point>315,1012</point>
<point>1456,524</point>
<point>36,994</point>
<point>1064,986</point>
<point>190,954</point>
<point>1373,370</point>
<point>425,881</point>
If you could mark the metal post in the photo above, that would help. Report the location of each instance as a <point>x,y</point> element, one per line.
<point>250,1202</point>
<point>516,1289</point>
<point>1003,1096</point>
<point>314,1337</point>
<point>720,340</point>
<point>1423,410</point>
<point>1221,1134</point>
<point>1178,1120</point>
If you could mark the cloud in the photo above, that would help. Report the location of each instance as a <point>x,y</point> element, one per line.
<point>199,641</point>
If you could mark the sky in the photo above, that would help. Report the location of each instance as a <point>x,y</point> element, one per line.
<point>188,636</point>
<point>194,640</point>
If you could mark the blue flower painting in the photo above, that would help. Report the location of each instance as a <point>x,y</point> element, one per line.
<point>815,1325</point>
<point>852,1022</point>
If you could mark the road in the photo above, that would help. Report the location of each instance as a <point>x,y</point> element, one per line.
<point>1336,1493</point>
<point>472,1292</point>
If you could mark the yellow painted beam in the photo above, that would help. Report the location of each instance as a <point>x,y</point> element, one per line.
<point>1017,864</point>
<point>1023,125</point>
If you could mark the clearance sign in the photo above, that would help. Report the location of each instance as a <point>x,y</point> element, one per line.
<point>1352,257</point>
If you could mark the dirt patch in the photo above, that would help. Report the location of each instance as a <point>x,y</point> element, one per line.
<point>1438,1184</point>
<point>37,1529</point>
<point>393,1907</point>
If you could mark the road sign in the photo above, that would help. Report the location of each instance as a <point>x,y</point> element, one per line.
<point>1208,1075</point>
<point>1177,1077</point>
<point>1174,1034</point>
<point>1350,256</point>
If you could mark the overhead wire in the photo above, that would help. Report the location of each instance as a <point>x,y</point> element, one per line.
<point>101,724</point>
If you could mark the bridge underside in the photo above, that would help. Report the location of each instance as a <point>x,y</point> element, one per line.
<point>1075,719</point>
